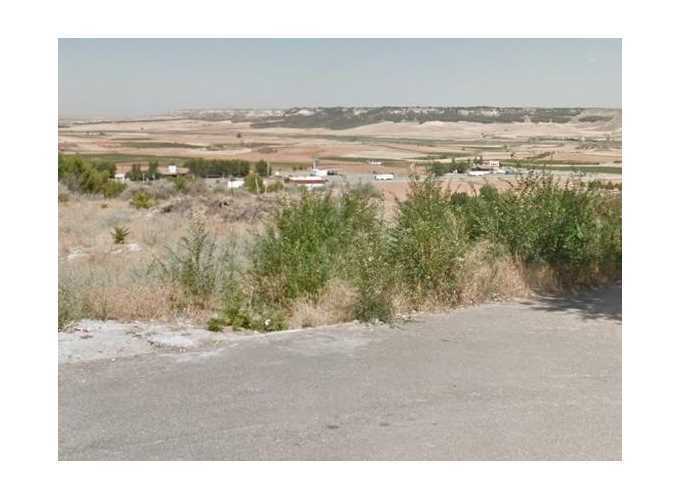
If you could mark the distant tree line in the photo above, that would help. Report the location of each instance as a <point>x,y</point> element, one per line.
<point>92,177</point>
<point>85,176</point>
<point>218,168</point>
<point>438,168</point>
<point>137,174</point>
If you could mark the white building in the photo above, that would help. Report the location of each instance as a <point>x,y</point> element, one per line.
<point>384,177</point>
<point>491,163</point>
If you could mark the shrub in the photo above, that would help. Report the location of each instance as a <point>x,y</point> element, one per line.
<point>254,183</point>
<point>372,276</point>
<point>572,227</point>
<point>462,167</point>
<point>216,324</point>
<point>193,266</point>
<point>438,169</point>
<point>135,173</point>
<point>181,184</point>
<point>459,199</point>
<point>262,168</point>
<point>142,200</point>
<point>428,243</point>
<point>112,189</point>
<point>119,234</point>
<point>84,176</point>
<point>64,197</point>
<point>68,307</point>
<point>262,318</point>
<point>152,171</point>
<point>308,243</point>
<point>188,185</point>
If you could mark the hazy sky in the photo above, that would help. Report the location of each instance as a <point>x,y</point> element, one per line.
<point>123,77</point>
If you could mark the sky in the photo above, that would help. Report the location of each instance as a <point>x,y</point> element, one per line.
<point>138,77</point>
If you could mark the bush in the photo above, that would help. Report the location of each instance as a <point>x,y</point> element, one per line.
<point>462,167</point>
<point>142,200</point>
<point>135,173</point>
<point>572,227</point>
<point>254,183</point>
<point>459,199</point>
<point>428,243</point>
<point>188,185</point>
<point>152,171</point>
<point>181,184</point>
<point>262,169</point>
<point>309,242</point>
<point>372,276</point>
<point>216,324</point>
<point>69,309</point>
<point>111,189</point>
<point>119,234</point>
<point>438,169</point>
<point>193,266</point>
<point>84,176</point>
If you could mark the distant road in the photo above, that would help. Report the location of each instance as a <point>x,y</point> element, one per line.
<point>530,381</point>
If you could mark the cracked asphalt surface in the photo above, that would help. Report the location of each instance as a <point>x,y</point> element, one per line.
<point>537,380</point>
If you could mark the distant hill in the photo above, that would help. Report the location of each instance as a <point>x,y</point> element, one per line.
<point>349,117</point>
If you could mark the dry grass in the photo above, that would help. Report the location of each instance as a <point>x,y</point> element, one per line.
<point>486,275</point>
<point>335,305</point>
<point>101,280</point>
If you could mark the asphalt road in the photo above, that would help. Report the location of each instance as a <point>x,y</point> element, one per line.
<point>537,380</point>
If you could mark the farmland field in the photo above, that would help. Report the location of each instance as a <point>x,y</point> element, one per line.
<point>585,139</point>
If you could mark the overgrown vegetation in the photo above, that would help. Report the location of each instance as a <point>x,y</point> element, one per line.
<point>438,169</point>
<point>254,183</point>
<point>89,177</point>
<point>331,256</point>
<point>428,243</point>
<point>572,227</point>
<point>193,267</point>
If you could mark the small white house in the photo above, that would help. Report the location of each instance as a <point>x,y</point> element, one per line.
<point>491,163</point>
<point>375,163</point>
<point>172,169</point>
<point>318,172</point>
<point>235,183</point>
<point>384,177</point>
<point>119,177</point>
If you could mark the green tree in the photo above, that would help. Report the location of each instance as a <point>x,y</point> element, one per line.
<point>135,174</point>
<point>152,172</point>
<point>254,183</point>
<point>262,168</point>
